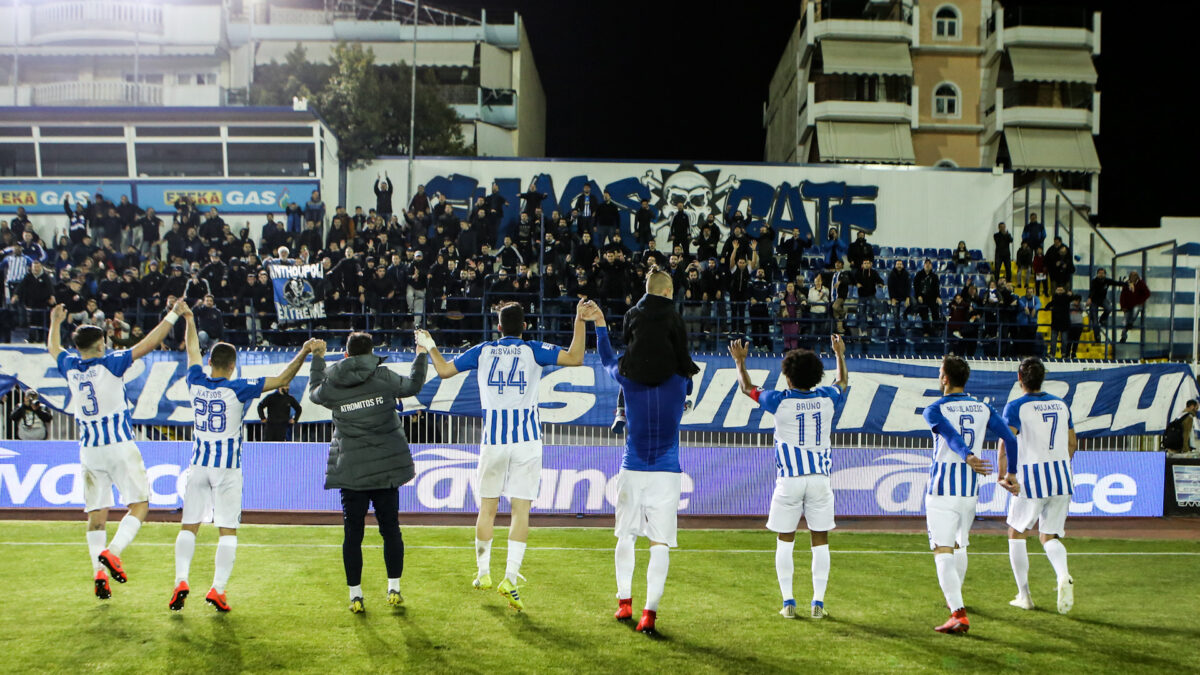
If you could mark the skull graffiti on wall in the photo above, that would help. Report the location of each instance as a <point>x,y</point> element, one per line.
<point>691,191</point>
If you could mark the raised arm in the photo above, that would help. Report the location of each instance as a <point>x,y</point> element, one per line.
<point>444,368</point>
<point>608,357</point>
<point>192,340</point>
<point>54,336</point>
<point>839,350</point>
<point>316,376</point>
<point>738,350</point>
<point>411,385</point>
<point>155,337</point>
<point>574,354</point>
<point>293,366</point>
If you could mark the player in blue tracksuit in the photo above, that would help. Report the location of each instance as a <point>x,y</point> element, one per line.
<point>648,485</point>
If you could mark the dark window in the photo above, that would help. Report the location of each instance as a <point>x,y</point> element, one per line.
<point>176,132</point>
<point>272,159</point>
<point>83,131</point>
<point>84,159</point>
<point>179,159</point>
<point>16,159</point>
<point>16,131</point>
<point>303,132</point>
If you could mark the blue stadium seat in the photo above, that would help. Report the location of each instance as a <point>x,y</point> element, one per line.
<point>984,267</point>
<point>976,254</point>
<point>884,252</point>
<point>944,253</point>
<point>901,252</point>
<point>875,248</point>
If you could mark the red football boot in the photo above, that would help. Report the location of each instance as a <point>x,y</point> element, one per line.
<point>113,563</point>
<point>646,625</point>
<point>624,610</point>
<point>957,623</point>
<point>217,600</point>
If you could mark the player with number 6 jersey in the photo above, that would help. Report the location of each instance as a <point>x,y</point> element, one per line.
<point>214,478</point>
<point>107,454</point>
<point>1046,435</point>
<point>959,424</point>
<point>508,372</point>
<point>804,415</point>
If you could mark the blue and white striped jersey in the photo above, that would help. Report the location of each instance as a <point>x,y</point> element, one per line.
<point>803,422</point>
<point>1042,421</point>
<point>219,406</point>
<point>98,396</point>
<point>16,265</point>
<point>508,371</point>
<point>959,424</point>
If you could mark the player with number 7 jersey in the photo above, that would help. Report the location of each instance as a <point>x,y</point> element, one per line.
<point>507,373</point>
<point>804,414</point>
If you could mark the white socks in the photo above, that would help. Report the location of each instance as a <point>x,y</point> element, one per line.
<point>960,561</point>
<point>355,592</point>
<point>95,540</point>
<point>185,548</point>
<point>483,555</point>
<point>820,572</point>
<point>516,553</point>
<point>948,578</point>
<point>1018,556</point>
<point>624,558</point>
<point>126,531</point>
<point>394,584</point>
<point>784,567</point>
<point>1057,553</point>
<point>656,575</point>
<point>226,554</point>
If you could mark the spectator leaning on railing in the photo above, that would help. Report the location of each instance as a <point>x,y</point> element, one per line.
<point>1133,301</point>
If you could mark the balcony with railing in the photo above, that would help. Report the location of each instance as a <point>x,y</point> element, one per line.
<point>1043,104</point>
<point>888,20</point>
<point>1041,25</point>
<point>866,98</point>
<point>98,93</point>
<point>494,106</point>
<point>91,20</point>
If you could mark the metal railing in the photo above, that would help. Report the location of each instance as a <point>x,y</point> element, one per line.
<point>101,92</point>
<point>97,16</point>
<point>896,10</point>
<point>440,428</point>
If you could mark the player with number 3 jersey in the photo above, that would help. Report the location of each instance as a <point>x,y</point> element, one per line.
<point>107,454</point>
<point>508,372</point>
<point>804,415</point>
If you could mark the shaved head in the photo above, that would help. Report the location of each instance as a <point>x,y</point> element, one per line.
<point>659,283</point>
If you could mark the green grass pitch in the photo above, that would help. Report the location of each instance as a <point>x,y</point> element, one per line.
<point>1133,613</point>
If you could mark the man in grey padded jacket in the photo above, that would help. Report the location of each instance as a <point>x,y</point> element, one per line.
<point>368,456</point>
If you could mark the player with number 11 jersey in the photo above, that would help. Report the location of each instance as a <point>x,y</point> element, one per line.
<point>804,415</point>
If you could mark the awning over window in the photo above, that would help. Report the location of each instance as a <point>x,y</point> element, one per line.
<point>1052,149</point>
<point>865,142</point>
<point>1032,64</point>
<point>852,57</point>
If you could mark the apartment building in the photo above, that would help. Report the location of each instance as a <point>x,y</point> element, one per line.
<point>173,53</point>
<point>954,83</point>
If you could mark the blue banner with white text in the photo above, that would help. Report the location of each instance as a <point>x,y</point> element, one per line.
<point>886,396</point>
<point>226,196</point>
<point>46,196</point>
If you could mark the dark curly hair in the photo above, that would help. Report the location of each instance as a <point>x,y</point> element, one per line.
<point>1032,373</point>
<point>803,368</point>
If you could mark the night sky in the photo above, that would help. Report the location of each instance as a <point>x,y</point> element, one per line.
<point>677,80</point>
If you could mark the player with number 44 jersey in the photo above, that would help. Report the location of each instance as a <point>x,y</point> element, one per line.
<point>804,415</point>
<point>214,479</point>
<point>508,372</point>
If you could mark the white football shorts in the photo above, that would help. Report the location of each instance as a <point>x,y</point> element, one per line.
<point>810,496</point>
<point>948,520</point>
<point>1050,514</point>
<point>104,466</point>
<point>512,470</point>
<point>648,505</point>
<point>218,488</point>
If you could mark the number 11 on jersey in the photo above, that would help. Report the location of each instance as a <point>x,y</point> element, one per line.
<point>801,424</point>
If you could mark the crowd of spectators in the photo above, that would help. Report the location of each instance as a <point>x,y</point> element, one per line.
<point>119,266</point>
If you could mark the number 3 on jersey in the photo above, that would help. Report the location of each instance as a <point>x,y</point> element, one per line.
<point>516,377</point>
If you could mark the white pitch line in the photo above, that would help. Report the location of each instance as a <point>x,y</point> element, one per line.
<point>609,550</point>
